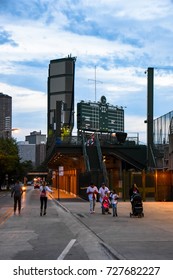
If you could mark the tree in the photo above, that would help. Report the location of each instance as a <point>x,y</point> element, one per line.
<point>9,159</point>
<point>25,167</point>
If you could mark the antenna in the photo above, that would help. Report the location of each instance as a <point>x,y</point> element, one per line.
<point>96,82</point>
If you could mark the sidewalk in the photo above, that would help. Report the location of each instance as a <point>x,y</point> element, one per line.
<point>97,236</point>
<point>148,238</point>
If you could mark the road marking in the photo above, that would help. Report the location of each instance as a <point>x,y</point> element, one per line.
<point>8,213</point>
<point>66,250</point>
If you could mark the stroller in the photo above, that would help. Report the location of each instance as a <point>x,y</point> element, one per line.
<point>105,205</point>
<point>137,206</point>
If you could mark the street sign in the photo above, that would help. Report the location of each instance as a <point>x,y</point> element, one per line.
<point>61,170</point>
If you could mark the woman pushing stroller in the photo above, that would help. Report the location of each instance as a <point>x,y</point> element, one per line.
<point>136,201</point>
<point>133,190</point>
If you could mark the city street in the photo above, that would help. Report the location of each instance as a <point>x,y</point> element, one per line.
<point>58,235</point>
<point>70,232</point>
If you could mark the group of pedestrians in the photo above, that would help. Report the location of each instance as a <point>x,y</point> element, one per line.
<point>17,192</point>
<point>107,199</point>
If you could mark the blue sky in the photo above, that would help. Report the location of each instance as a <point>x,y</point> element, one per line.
<point>120,38</point>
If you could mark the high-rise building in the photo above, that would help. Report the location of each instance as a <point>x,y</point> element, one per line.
<point>27,152</point>
<point>33,148</point>
<point>5,115</point>
<point>61,97</point>
<point>36,137</point>
<point>39,140</point>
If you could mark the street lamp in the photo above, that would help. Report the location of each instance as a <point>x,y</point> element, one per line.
<point>6,133</point>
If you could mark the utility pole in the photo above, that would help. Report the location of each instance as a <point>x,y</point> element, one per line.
<point>95,82</point>
<point>150,98</point>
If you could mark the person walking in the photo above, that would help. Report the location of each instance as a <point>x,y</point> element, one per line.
<point>133,190</point>
<point>114,202</point>
<point>102,191</point>
<point>16,192</point>
<point>43,197</point>
<point>92,192</point>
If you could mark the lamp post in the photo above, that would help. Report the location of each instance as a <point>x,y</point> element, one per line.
<point>6,133</point>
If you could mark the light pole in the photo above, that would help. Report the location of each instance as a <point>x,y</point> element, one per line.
<point>6,133</point>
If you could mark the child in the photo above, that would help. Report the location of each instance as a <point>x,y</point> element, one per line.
<point>114,202</point>
<point>105,203</point>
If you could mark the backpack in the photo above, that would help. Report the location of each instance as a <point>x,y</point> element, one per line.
<point>43,192</point>
<point>17,190</point>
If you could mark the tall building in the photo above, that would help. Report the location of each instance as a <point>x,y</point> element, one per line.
<point>61,97</point>
<point>39,140</point>
<point>5,115</point>
<point>36,137</point>
<point>27,152</point>
<point>33,148</point>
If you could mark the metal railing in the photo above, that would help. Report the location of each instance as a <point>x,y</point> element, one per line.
<point>102,163</point>
<point>86,159</point>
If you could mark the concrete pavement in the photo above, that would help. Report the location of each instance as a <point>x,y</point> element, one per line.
<point>148,238</point>
<point>95,236</point>
<point>56,236</point>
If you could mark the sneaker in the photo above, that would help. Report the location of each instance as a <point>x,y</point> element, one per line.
<point>40,213</point>
<point>44,213</point>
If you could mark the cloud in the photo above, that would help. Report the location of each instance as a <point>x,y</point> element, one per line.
<point>120,38</point>
<point>24,99</point>
<point>5,38</point>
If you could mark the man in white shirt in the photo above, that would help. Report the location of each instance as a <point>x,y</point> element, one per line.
<point>102,191</point>
<point>92,192</point>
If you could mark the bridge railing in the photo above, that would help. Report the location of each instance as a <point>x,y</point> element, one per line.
<point>104,140</point>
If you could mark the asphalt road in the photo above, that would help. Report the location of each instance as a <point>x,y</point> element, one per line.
<point>58,235</point>
<point>70,232</point>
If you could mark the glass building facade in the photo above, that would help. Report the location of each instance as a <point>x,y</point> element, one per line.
<point>5,115</point>
<point>162,128</point>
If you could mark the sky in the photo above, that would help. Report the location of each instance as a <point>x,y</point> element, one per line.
<point>115,41</point>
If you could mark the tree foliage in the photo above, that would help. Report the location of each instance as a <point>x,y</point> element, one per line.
<point>9,158</point>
